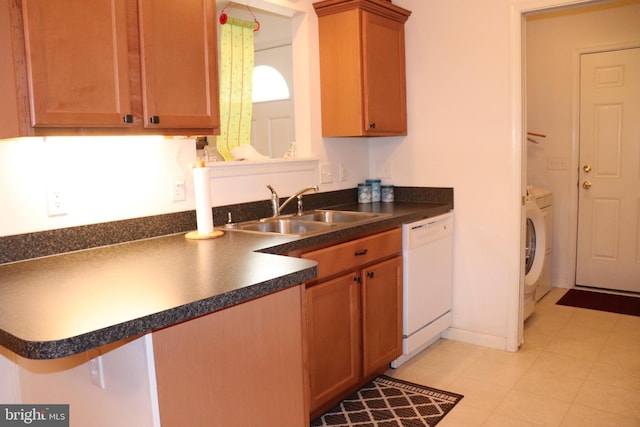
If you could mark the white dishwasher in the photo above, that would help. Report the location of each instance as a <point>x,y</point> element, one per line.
<point>427,257</point>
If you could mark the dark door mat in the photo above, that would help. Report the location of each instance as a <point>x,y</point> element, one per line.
<point>389,402</point>
<point>621,304</point>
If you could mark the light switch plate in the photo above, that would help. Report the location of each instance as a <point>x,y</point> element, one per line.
<point>557,163</point>
<point>326,174</point>
<point>343,172</point>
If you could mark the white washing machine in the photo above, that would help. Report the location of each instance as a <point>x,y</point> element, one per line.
<point>535,247</point>
<point>544,200</point>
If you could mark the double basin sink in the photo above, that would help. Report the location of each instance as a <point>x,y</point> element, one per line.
<point>313,222</point>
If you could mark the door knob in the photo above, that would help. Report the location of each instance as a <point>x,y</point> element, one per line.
<point>586,168</point>
<point>586,185</point>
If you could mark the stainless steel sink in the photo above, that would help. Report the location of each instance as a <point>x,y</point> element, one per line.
<point>283,226</point>
<point>313,222</point>
<point>338,217</point>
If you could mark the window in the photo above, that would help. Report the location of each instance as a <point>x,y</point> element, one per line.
<point>268,84</point>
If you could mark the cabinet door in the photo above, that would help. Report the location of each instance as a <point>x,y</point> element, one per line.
<point>341,74</point>
<point>382,315</point>
<point>384,76</point>
<point>362,68</point>
<point>77,62</point>
<point>333,325</point>
<point>179,87</point>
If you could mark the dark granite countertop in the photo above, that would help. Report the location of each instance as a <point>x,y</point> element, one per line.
<point>65,304</point>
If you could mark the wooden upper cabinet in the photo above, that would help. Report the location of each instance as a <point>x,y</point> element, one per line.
<point>362,67</point>
<point>179,62</point>
<point>109,67</point>
<point>77,62</point>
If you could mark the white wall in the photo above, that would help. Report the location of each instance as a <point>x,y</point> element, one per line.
<point>9,383</point>
<point>128,399</point>
<point>554,41</point>
<point>460,135</point>
<point>103,179</point>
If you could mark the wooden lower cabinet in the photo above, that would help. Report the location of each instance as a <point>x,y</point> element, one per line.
<point>354,319</point>
<point>333,338</point>
<point>381,315</point>
<point>238,367</point>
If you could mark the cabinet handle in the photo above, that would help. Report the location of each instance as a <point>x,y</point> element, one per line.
<point>370,274</point>
<point>362,252</point>
<point>357,279</point>
<point>127,118</point>
<point>372,125</point>
<point>154,120</point>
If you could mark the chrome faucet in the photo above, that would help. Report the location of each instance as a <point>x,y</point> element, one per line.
<point>275,200</point>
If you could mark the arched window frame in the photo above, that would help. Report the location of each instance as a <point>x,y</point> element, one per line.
<point>269,85</point>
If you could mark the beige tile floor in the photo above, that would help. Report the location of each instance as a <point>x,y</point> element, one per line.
<point>576,367</point>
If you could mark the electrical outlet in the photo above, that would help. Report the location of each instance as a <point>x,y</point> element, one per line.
<point>326,175</point>
<point>177,188</point>
<point>96,372</point>
<point>56,203</point>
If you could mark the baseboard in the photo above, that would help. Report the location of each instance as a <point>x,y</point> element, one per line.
<point>491,341</point>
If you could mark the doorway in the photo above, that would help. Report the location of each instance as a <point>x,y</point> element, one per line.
<point>553,163</point>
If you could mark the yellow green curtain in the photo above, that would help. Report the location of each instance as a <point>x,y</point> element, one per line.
<point>236,75</point>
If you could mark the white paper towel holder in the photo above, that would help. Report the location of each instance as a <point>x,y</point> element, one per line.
<point>204,214</point>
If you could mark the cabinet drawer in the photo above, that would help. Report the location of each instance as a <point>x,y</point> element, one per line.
<point>356,253</point>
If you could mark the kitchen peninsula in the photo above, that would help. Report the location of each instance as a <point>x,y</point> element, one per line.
<point>218,301</point>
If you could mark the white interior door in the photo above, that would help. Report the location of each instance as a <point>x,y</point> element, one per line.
<point>273,122</point>
<point>608,251</point>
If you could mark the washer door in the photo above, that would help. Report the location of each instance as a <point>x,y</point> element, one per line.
<point>535,246</point>
<point>529,246</point>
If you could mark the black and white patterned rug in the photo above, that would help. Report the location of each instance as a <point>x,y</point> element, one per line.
<point>389,402</point>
